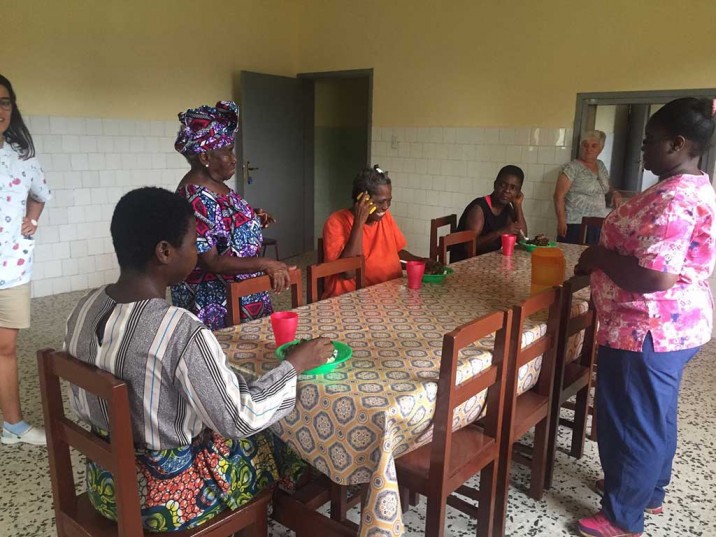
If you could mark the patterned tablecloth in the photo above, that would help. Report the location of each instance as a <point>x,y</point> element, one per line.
<point>351,423</point>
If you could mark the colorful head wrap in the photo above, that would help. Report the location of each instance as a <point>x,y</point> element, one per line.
<point>206,128</point>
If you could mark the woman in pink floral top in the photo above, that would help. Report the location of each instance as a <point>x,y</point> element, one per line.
<point>650,287</point>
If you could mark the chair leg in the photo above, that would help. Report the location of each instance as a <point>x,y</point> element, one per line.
<point>539,460</point>
<point>552,441</point>
<point>579,432</point>
<point>435,516</point>
<point>339,502</point>
<point>503,486</point>
<point>487,500</point>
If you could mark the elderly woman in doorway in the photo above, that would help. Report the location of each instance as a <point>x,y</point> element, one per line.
<point>229,234</point>
<point>366,229</point>
<point>581,190</point>
<point>649,279</point>
<point>23,191</point>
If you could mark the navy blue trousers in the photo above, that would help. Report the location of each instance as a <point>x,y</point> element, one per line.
<point>637,402</point>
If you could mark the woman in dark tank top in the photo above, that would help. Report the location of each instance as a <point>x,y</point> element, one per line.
<point>491,216</point>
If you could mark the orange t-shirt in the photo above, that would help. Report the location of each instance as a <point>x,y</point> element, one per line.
<point>381,243</point>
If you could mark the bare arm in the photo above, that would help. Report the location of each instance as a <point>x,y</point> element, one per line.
<point>476,222</point>
<point>361,211</point>
<point>560,191</point>
<point>520,214</point>
<point>34,210</point>
<point>211,261</point>
<point>624,270</point>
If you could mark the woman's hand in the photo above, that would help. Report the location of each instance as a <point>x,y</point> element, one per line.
<point>266,218</point>
<point>28,229</point>
<point>617,199</point>
<point>513,228</point>
<point>519,198</point>
<point>278,272</point>
<point>561,228</point>
<point>588,261</point>
<point>310,354</point>
<point>363,208</point>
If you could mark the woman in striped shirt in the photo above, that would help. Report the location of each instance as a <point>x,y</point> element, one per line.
<point>196,424</point>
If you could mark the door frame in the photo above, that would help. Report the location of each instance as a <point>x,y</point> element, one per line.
<point>586,104</point>
<point>309,80</point>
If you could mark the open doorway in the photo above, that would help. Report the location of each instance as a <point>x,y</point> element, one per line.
<point>341,137</point>
<point>623,116</point>
<point>302,141</point>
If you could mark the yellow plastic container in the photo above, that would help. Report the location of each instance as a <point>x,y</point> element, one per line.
<point>548,268</point>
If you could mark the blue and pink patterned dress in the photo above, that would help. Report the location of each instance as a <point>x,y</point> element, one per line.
<point>228,223</point>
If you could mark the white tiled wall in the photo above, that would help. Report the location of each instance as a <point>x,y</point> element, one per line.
<point>90,164</point>
<point>438,171</point>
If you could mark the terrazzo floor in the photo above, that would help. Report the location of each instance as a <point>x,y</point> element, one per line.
<point>26,499</point>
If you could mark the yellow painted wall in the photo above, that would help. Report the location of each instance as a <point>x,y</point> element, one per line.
<point>507,62</point>
<point>437,62</point>
<point>144,59</point>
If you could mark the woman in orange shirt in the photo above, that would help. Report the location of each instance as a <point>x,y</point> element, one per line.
<point>366,229</point>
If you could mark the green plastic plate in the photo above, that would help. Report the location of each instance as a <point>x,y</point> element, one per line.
<point>344,353</point>
<point>532,247</point>
<point>437,278</point>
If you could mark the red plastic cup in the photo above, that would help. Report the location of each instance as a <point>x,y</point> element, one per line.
<point>508,243</point>
<point>415,269</point>
<point>284,324</point>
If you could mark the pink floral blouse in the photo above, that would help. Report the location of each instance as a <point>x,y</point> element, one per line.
<point>671,227</point>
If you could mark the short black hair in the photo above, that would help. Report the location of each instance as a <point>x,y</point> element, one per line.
<point>511,169</point>
<point>142,219</point>
<point>689,117</point>
<point>368,180</point>
<point>17,133</point>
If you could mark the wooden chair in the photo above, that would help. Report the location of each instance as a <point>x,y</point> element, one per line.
<point>574,377</point>
<point>532,408</point>
<point>461,237</point>
<point>259,285</point>
<point>440,468</point>
<point>589,222</point>
<point>319,271</point>
<point>435,225</point>
<point>268,241</point>
<point>74,514</point>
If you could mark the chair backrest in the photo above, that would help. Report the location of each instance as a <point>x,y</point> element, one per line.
<point>320,258</point>
<point>435,225</point>
<point>547,301</point>
<point>116,455</point>
<point>493,379</point>
<point>587,222</point>
<point>469,238</point>
<point>319,250</point>
<point>319,271</point>
<point>572,325</point>
<point>259,285</point>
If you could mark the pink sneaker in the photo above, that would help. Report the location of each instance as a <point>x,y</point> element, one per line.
<point>657,510</point>
<point>599,526</point>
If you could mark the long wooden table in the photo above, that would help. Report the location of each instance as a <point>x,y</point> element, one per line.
<point>351,423</point>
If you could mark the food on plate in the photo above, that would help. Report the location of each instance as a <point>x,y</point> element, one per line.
<point>539,240</point>
<point>295,344</point>
<point>437,268</point>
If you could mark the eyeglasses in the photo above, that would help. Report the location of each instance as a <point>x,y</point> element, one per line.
<point>6,103</point>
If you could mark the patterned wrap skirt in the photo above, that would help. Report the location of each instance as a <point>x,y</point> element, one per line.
<point>183,487</point>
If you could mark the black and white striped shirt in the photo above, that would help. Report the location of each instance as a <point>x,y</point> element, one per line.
<point>177,374</point>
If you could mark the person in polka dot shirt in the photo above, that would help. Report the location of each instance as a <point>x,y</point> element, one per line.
<point>23,193</point>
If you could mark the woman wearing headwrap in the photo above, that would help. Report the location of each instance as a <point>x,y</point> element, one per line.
<point>228,230</point>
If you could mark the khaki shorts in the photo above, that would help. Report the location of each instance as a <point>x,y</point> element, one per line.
<point>15,307</point>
